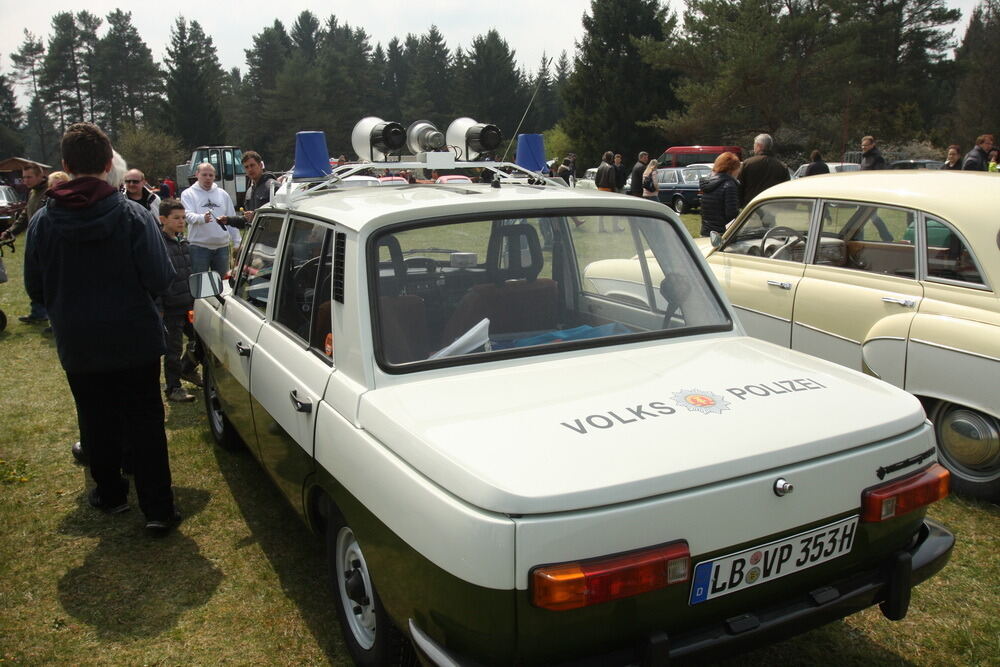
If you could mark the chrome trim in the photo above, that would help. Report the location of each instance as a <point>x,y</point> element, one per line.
<point>827,333</point>
<point>427,646</point>
<point>779,283</point>
<point>954,349</point>
<point>758,312</point>
<point>906,303</point>
<point>874,338</point>
<point>958,283</point>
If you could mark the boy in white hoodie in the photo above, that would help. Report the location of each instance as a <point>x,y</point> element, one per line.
<point>207,208</point>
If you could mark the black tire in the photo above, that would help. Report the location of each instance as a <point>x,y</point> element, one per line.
<point>222,430</point>
<point>969,446</point>
<point>3,320</point>
<point>679,205</point>
<point>369,633</point>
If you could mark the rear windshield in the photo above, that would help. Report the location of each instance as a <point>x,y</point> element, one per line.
<point>478,289</point>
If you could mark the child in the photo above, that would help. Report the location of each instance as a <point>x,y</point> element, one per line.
<point>175,304</point>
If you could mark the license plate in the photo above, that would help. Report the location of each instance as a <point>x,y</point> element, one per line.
<point>752,567</point>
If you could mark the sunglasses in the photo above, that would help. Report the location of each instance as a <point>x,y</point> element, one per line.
<point>132,181</point>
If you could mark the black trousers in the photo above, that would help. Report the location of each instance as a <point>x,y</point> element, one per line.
<point>175,361</point>
<point>115,406</point>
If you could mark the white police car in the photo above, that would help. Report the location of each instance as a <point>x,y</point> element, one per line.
<point>513,464</point>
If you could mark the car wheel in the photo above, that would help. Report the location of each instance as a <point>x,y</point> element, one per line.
<point>680,205</point>
<point>369,633</point>
<point>221,429</point>
<point>969,446</point>
<point>3,320</point>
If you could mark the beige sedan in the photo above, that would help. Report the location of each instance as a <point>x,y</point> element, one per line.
<point>895,274</point>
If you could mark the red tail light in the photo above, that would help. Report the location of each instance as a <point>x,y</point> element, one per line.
<point>584,583</point>
<point>900,496</point>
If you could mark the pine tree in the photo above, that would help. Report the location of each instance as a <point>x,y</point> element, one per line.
<point>126,93</point>
<point>497,88</point>
<point>194,81</point>
<point>11,118</point>
<point>974,113</point>
<point>428,90</point>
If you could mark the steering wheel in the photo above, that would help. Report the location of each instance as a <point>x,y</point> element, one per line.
<point>780,230</point>
<point>303,283</point>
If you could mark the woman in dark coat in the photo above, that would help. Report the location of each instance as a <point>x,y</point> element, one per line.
<point>816,165</point>
<point>720,199</point>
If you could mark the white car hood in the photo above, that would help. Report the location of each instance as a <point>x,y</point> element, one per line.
<point>578,430</point>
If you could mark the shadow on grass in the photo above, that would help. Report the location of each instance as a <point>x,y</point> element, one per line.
<point>130,585</point>
<point>295,554</point>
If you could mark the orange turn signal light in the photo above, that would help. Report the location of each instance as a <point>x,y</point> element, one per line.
<point>900,496</point>
<point>191,316</point>
<point>589,582</point>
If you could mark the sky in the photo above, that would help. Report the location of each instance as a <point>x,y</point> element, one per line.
<point>529,26</point>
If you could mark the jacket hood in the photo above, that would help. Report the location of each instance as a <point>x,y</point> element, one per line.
<point>85,209</point>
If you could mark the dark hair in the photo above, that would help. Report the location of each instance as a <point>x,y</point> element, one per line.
<point>252,155</point>
<point>958,149</point>
<point>566,161</point>
<point>983,138</point>
<point>815,155</point>
<point>168,205</point>
<point>86,149</point>
<point>608,156</point>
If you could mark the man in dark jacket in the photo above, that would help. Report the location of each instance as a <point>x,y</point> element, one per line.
<point>978,158</point>
<point>175,304</point>
<point>605,179</point>
<point>871,156</point>
<point>621,173</point>
<point>259,192</point>
<point>96,260</point>
<point>762,170</point>
<point>816,165</point>
<point>635,184</point>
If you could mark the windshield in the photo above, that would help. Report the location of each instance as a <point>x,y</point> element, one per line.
<point>481,288</point>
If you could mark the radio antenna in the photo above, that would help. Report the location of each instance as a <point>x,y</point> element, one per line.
<point>545,66</point>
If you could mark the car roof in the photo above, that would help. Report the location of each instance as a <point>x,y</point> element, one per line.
<point>360,208</point>
<point>966,199</point>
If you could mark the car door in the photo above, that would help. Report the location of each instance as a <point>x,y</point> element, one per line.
<point>290,366</point>
<point>242,316</point>
<point>761,263</point>
<point>666,185</point>
<point>857,299</point>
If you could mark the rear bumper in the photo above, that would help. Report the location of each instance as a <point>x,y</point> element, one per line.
<point>888,585</point>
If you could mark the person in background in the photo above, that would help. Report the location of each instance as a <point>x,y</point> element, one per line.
<point>565,172</point>
<point>816,165</point>
<point>638,169</point>
<point>621,173</point>
<point>136,190</point>
<point>33,176</point>
<point>605,178</point>
<point>761,171</point>
<point>992,165</point>
<point>871,156</point>
<point>720,199</point>
<point>208,210</point>
<point>175,304</point>
<point>953,161</point>
<point>978,158</point>
<point>259,192</point>
<point>171,191</point>
<point>649,187</point>
<point>96,260</point>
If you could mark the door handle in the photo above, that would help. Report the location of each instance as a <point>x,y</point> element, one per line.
<point>778,283</point>
<point>241,349</point>
<point>906,303</point>
<point>301,405</point>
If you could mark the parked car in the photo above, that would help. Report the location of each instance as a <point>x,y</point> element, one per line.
<point>835,168</point>
<point>679,188</point>
<point>512,461</point>
<point>684,156</point>
<point>893,273</point>
<point>453,178</point>
<point>10,205</point>
<point>916,164</point>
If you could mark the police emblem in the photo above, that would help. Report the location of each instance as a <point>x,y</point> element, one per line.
<point>704,402</point>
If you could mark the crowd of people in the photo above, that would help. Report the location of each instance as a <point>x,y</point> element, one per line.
<point>107,261</point>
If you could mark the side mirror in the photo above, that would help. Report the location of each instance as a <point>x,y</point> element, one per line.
<point>204,285</point>
<point>714,237</point>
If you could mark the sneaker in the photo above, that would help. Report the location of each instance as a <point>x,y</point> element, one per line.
<point>79,455</point>
<point>96,502</point>
<point>31,319</point>
<point>178,395</point>
<point>192,376</point>
<point>162,527</point>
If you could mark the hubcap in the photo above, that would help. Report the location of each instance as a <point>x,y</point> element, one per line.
<point>970,440</point>
<point>215,413</point>
<point>355,588</point>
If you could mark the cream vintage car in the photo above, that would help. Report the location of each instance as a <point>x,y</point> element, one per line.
<point>510,467</point>
<point>892,273</point>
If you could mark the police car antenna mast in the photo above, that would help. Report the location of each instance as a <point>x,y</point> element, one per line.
<point>545,66</point>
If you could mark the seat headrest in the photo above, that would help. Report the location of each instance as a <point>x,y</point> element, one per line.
<point>514,253</point>
<point>394,287</point>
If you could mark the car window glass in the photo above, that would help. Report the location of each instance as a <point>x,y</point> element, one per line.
<point>227,164</point>
<point>948,256</point>
<point>297,287</point>
<point>777,229</point>
<point>254,280</point>
<point>693,175</point>
<point>498,286</point>
<point>865,237</point>
<point>669,177</point>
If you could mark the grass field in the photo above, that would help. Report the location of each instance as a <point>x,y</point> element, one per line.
<point>241,582</point>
